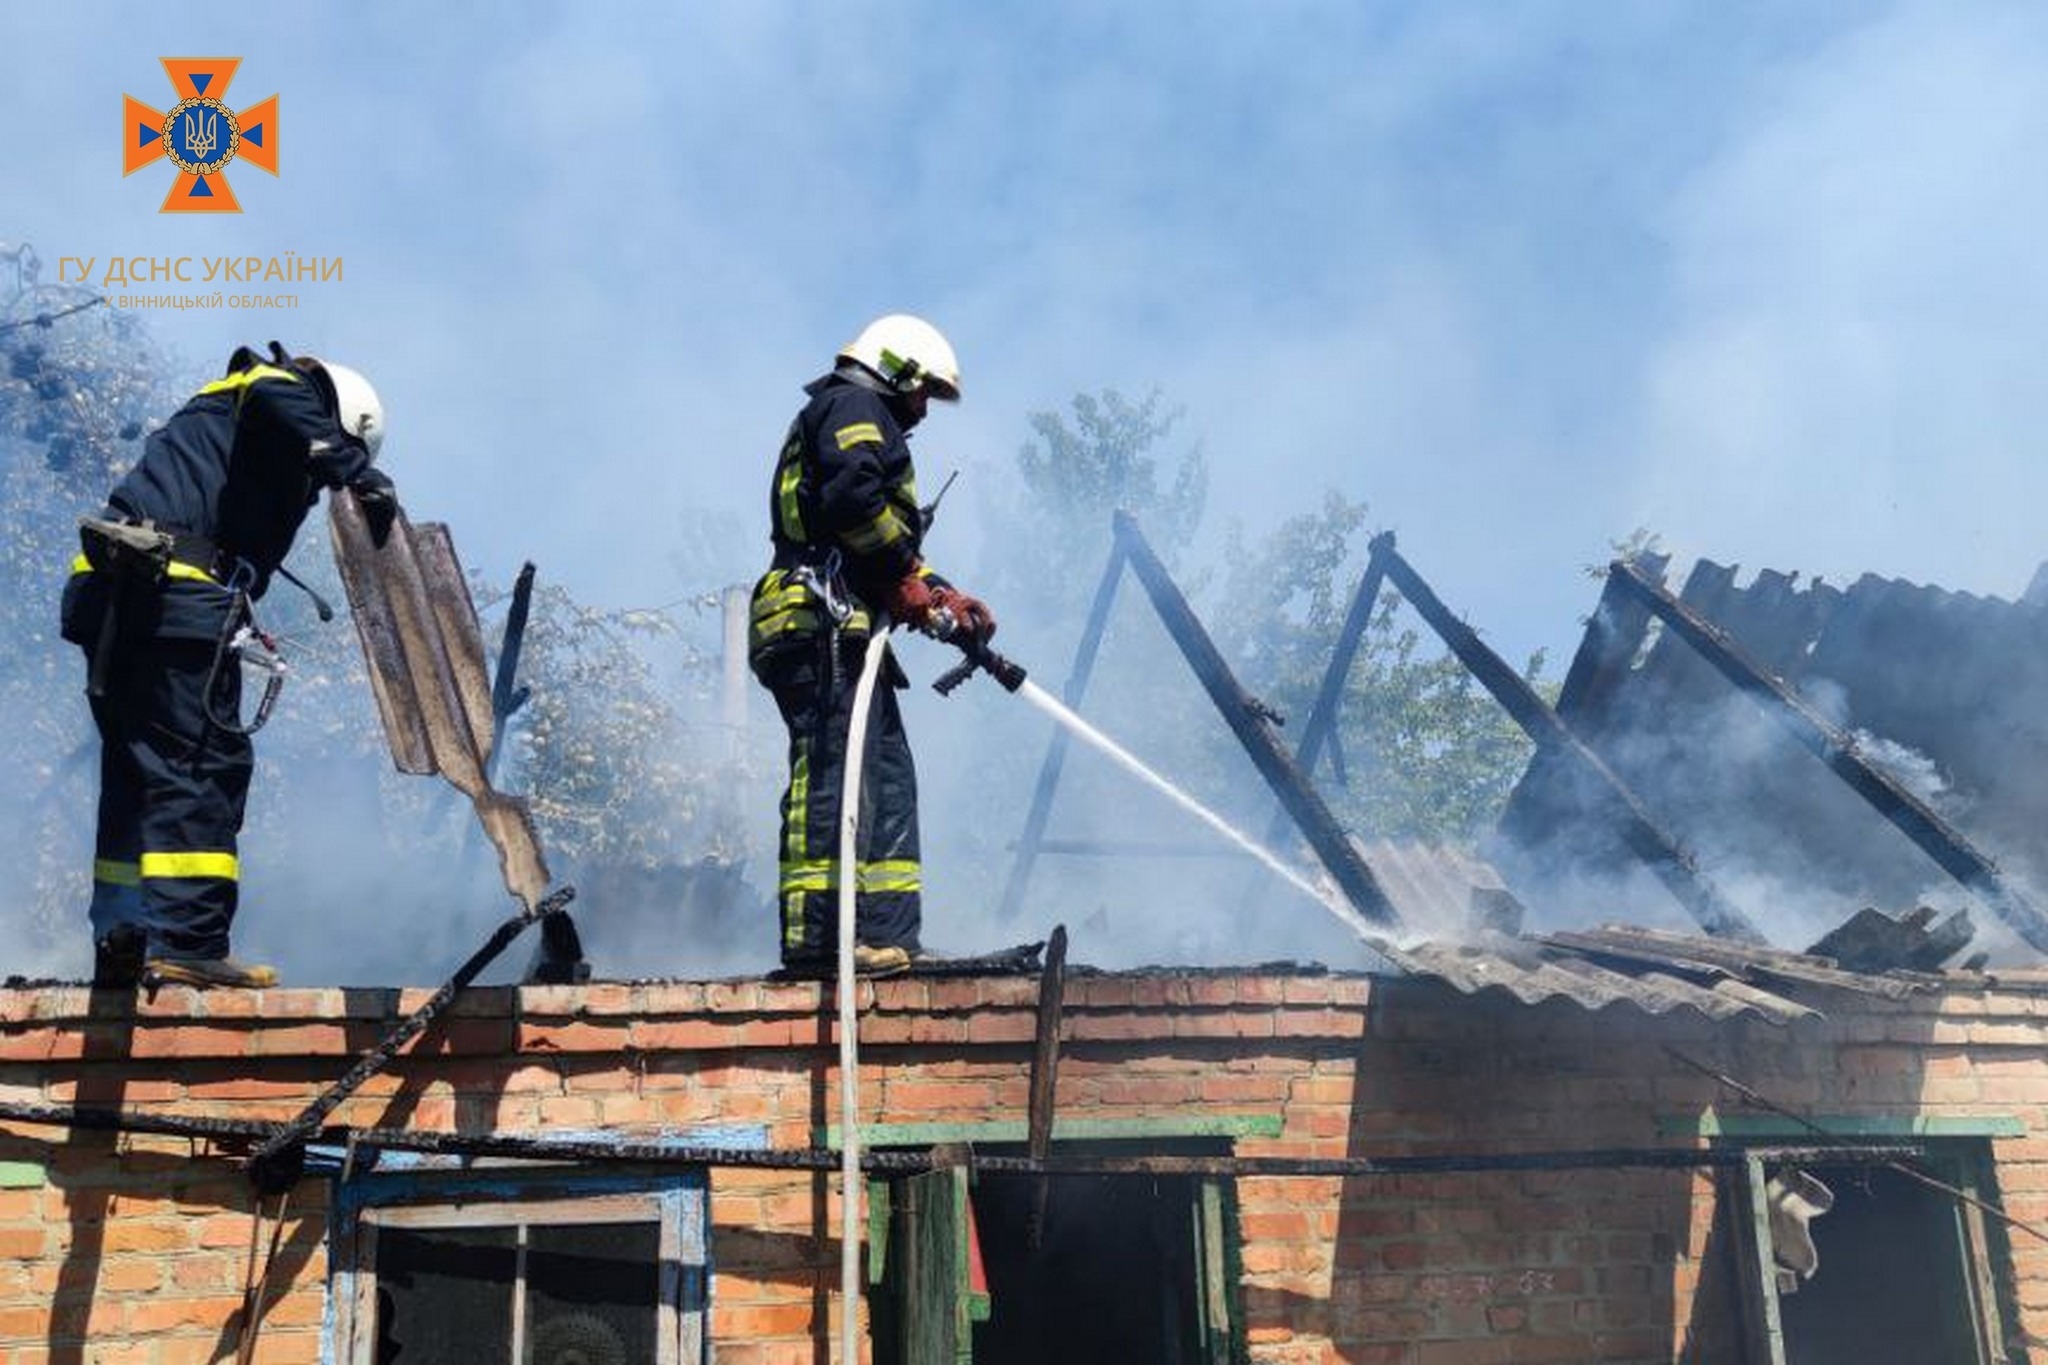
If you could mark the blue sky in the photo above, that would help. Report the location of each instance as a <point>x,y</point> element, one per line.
<point>1521,276</point>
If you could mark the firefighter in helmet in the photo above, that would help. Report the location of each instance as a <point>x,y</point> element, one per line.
<point>848,536</point>
<point>158,600</point>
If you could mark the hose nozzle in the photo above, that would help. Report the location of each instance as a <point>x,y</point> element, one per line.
<point>978,656</point>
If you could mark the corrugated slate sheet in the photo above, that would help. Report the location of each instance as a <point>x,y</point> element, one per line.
<point>1650,970</point>
<point>1455,900</point>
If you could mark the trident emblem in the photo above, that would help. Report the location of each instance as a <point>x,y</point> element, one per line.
<point>200,135</point>
<point>202,129</point>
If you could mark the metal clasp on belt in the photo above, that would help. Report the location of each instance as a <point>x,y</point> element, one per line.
<point>823,580</point>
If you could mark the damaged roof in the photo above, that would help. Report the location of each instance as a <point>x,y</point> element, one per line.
<point>1470,922</point>
<point>1945,691</point>
<point>1652,970</point>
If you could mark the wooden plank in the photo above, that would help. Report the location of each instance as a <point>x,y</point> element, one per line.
<point>1749,1219</point>
<point>1987,1316</point>
<point>1712,1123</point>
<point>1671,863</point>
<point>1247,720</point>
<point>931,1238</point>
<point>881,1214</point>
<point>1212,1264</point>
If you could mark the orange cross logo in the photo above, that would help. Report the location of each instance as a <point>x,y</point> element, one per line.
<point>200,135</point>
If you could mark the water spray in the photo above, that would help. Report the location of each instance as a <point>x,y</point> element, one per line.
<point>980,658</point>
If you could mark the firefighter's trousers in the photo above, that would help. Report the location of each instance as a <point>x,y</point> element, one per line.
<point>816,701</point>
<point>173,787</point>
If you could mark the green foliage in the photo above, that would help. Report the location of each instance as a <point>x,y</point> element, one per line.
<point>1077,472</point>
<point>615,775</point>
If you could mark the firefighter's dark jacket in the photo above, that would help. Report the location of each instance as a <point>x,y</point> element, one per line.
<point>236,470</point>
<point>844,483</point>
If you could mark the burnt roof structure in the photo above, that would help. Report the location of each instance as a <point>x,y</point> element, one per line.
<point>1943,695</point>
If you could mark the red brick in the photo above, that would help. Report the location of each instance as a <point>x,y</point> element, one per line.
<point>163,1313</point>
<point>732,997</point>
<point>1319,1024</point>
<point>1113,1027</point>
<point>681,1035</point>
<point>1001,1028</point>
<point>769,1033</point>
<point>251,1088</point>
<point>753,1322</point>
<point>22,1242</point>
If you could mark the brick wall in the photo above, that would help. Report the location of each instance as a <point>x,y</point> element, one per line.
<point>134,1249</point>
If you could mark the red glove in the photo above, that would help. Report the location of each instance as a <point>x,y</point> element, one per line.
<point>911,602</point>
<point>969,612</point>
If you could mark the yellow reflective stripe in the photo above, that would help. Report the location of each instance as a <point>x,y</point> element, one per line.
<point>225,866</point>
<point>796,845</point>
<point>890,875</point>
<point>116,873</point>
<point>849,437</point>
<point>244,378</point>
<point>771,600</point>
<point>808,875</point>
<point>822,874</point>
<point>886,529</point>
<point>786,499</point>
<point>176,569</point>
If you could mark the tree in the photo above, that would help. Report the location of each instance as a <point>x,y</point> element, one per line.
<point>1076,473</point>
<point>1425,752</point>
<point>1420,750</point>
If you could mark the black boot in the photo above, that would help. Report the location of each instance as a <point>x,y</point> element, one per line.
<point>117,958</point>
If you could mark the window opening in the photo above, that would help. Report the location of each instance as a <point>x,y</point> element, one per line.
<point>1119,1268</point>
<point>1864,1263</point>
<point>527,1268</point>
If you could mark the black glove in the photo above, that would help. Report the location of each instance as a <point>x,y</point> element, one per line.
<point>378,497</point>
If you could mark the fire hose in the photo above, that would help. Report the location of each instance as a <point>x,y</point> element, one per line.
<point>849,1016</point>
<point>978,656</point>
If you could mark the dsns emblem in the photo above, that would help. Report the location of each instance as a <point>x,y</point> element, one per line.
<point>201,135</point>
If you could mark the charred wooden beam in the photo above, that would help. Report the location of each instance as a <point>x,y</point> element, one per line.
<point>1931,834</point>
<point>1030,842</point>
<point>1672,864</point>
<point>1045,1070</point>
<point>276,1160</point>
<point>1246,720</point>
<point>367,1141</point>
<point>1613,636</point>
<point>1045,1054</point>
<point>507,696</point>
<point>1321,726</point>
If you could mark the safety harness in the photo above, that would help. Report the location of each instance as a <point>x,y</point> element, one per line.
<point>139,556</point>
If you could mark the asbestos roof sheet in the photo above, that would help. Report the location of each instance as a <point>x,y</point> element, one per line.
<point>1464,920</point>
<point>1650,970</point>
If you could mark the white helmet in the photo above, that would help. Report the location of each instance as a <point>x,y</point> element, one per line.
<point>907,354</point>
<point>355,404</point>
